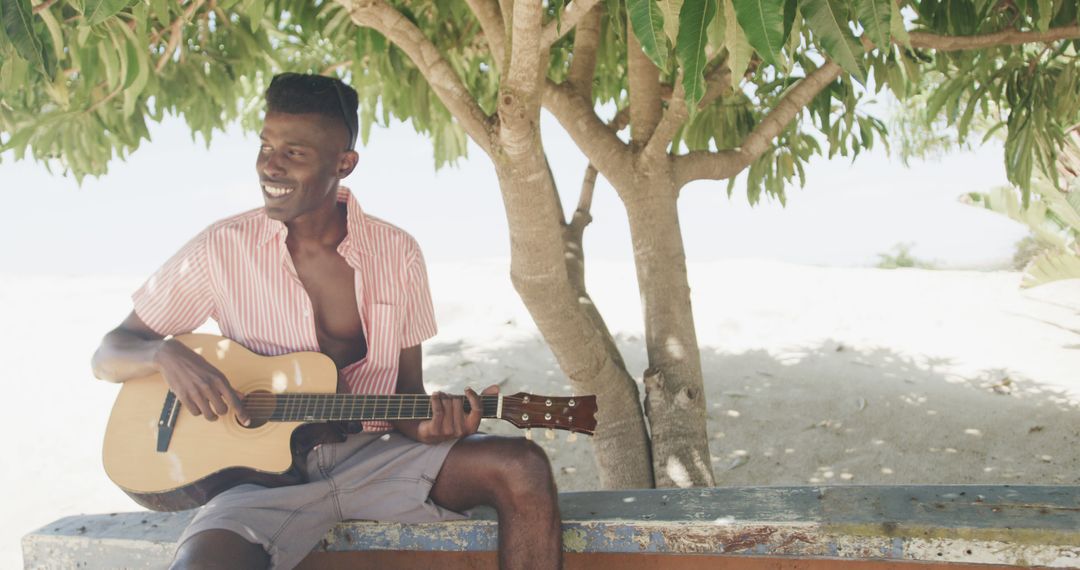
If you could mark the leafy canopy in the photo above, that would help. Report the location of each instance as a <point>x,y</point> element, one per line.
<point>80,78</point>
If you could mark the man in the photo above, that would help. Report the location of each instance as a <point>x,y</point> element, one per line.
<point>311,271</point>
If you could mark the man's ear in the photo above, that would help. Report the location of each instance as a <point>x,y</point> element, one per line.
<point>347,163</point>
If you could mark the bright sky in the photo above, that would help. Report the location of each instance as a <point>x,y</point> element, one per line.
<point>135,217</point>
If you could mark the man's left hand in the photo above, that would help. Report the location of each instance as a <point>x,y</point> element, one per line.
<point>448,417</point>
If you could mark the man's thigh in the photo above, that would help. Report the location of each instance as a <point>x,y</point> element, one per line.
<point>218,548</point>
<point>390,478</point>
<point>486,469</point>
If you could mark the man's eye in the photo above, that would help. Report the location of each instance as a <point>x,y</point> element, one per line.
<point>295,153</point>
<point>265,148</point>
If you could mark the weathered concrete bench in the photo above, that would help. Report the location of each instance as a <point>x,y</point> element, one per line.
<point>750,528</point>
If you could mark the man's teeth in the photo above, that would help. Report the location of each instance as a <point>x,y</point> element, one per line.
<point>276,191</point>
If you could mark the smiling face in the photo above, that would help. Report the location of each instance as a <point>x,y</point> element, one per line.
<point>301,158</point>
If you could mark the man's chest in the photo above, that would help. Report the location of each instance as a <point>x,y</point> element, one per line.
<point>330,284</point>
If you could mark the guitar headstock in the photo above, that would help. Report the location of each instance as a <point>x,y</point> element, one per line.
<point>573,413</point>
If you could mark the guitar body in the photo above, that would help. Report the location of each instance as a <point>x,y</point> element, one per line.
<point>204,458</point>
<point>166,459</point>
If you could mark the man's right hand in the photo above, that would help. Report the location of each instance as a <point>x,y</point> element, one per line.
<point>203,389</point>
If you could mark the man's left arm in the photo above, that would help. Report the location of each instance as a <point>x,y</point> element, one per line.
<point>448,417</point>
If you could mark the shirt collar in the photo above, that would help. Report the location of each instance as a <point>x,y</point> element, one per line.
<point>355,226</point>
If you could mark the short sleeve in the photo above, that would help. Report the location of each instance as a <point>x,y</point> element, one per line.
<point>419,311</point>
<point>178,297</point>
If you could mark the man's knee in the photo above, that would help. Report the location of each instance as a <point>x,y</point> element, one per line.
<point>525,472</point>
<point>219,548</point>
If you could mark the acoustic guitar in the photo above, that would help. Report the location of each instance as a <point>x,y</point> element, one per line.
<point>167,459</point>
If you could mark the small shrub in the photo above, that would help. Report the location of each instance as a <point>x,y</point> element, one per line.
<point>900,256</point>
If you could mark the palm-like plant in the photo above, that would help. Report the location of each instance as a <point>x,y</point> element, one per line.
<point>1052,213</point>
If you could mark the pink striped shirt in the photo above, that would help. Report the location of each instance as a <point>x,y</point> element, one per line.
<point>239,272</point>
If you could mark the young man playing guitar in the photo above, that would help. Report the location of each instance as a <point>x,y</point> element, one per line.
<point>311,271</point>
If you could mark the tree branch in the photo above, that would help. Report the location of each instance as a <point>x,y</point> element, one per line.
<point>573,13</point>
<point>717,81</point>
<point>586,42</point>
<point>574,232</point>
<point>521,92</point>
<point>177,29</point>
<point>525,53</point>
<point>42,7</point>
<point>489,15</point>
<point>383,18</point>
<point>1002,38</point>
<point>643,78</point>
<point>600,143</point>
<point>727,163</point>
<point>336,66</point>
<point>582,217</point>
<point>620,120</point>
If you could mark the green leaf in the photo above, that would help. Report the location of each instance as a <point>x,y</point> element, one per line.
<point>828,20</point>
<point>1046,13</point>
<point>614,9</point>
<point>896,26</point>
<point>138,72</point>
<point>18,24</point>
<point>791,9</point>
<point>97,11</point>
<point>54,32</point>
<point>255,11</point>
<point>647,22</point>
<point>670,10</point>
<point>694,20</point>
<point>112,64</point>
<point>876,18</point>
<point>739,49</point>
<point>160,9</point>
<point>1051,266</point>
<point>763,23</point>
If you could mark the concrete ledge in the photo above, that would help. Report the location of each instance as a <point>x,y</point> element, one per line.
<point>1020,526</point>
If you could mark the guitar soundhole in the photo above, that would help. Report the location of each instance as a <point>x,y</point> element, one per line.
<point>259,405</point>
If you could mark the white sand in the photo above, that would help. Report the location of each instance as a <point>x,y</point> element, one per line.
<point>814,375</point>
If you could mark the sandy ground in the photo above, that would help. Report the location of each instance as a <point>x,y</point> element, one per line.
<point>813,375</point>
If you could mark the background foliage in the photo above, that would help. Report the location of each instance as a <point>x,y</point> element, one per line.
<point>80,78</point>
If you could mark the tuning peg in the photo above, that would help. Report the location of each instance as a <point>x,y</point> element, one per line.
<point>572,437</point>
<point>528,434</point>
<point>549,433</point>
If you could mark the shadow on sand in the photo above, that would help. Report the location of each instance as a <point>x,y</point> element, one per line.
<point>827,414</point>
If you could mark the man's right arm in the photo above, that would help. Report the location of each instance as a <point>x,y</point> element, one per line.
<point>128,351</point>
<point>134,350</point>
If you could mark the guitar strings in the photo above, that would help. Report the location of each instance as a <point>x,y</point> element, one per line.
<point>345,399</point>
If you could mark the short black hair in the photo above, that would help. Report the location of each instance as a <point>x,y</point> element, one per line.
<point>328,96</point>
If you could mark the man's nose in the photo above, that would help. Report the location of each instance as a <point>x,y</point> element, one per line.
<point>271,165</point>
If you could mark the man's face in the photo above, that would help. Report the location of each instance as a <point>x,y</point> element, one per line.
<point>301,158</point>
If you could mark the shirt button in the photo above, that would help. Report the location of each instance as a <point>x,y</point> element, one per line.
<point>307,313</point>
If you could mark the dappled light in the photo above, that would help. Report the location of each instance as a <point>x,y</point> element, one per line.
<point>677,472</point>
<point>674,348</point>
<point>864,415</point>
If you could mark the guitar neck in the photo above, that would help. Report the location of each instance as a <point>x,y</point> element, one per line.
<point>352,407</point>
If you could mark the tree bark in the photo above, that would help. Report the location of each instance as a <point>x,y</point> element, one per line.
<point>568,320</point>
<point>674,384</point>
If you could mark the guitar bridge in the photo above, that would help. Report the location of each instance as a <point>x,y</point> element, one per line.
<point>167,421</point>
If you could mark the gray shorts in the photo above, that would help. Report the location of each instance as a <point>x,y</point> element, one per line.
<point>378,476</point>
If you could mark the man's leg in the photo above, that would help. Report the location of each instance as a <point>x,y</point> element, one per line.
<point>512,475</point>
<point>219,548</point>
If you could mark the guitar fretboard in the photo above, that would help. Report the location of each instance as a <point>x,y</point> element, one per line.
<point>350,407</point>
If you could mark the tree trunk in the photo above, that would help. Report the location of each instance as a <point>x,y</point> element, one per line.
<point>674,386</point>
<point>581,345</point>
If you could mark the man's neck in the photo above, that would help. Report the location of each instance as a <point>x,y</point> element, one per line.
<point>322,228</point>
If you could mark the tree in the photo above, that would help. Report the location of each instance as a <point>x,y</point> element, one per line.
<point>708,88</point>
